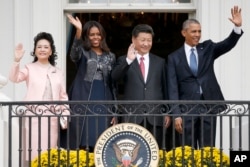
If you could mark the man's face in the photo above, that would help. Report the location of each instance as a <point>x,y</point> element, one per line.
<point>143,43</point>
<point>192,34</point>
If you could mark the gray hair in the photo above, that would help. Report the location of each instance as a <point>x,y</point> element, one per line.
<point>186,23</point>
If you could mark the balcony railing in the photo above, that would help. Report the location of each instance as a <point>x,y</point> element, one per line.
<point>232,128</point>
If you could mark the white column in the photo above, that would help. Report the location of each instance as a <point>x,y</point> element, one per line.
<point>3,125</point>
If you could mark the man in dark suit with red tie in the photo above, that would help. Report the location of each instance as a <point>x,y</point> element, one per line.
<point>146,84</point>
<point>198,82</point>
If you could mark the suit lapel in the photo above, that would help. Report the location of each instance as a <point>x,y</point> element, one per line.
<point>151,65</point>
<point>51,72</point>
<point>200,58</point>
<point>183,58</point>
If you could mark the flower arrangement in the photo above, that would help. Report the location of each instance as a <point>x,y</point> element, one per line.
<point>179,157</point>
<point>52,159</point>
<point>211,157</point>
<point>188,157</point>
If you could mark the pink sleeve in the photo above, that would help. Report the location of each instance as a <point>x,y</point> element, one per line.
<point>16,75</point>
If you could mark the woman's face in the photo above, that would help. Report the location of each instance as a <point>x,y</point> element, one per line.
<point>43,50</point>
<point>95,37</point>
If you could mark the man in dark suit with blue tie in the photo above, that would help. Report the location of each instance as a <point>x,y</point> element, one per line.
<point>191,76</point>
<point>146,84</point>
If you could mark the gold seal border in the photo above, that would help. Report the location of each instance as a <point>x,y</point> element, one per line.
<point>126,127</point>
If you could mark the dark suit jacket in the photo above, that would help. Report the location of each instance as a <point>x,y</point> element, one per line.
<point>183,85</point>
<point>135,88</point>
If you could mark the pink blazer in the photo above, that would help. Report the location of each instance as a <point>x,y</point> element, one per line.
<point>36,76</point>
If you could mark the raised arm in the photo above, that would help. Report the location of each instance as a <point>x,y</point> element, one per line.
<point>76,50</point>
<point>77,24</point>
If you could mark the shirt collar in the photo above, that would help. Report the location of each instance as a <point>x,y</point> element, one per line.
<point>145,56</point>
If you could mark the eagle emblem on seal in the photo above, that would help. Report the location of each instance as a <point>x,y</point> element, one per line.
<point>126,151</point>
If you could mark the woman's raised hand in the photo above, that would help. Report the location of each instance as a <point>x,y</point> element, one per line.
<point>77,24</point>
<point>19,52</point>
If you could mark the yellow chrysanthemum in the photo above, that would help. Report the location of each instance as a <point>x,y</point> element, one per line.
<point>211,156</point>
<point>181,156</point>
<point>75,158</point>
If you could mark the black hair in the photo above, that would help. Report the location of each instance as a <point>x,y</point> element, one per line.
<point>86,30</point>
<point>142,28</point>
<point>48,37</point>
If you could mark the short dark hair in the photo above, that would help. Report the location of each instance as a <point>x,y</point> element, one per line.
<point>142,28</point>
<point>48,37</point>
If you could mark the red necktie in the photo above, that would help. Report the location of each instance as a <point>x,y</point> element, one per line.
<point>142,66</point>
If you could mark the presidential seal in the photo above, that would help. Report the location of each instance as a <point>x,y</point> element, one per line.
<point>126,145</point>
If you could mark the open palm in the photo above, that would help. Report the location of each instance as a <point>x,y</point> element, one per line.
<point>19,52</point>
<point>236,16</point>
<point>75,21</point>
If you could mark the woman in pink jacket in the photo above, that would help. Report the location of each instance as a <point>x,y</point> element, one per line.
<point>45,82</point>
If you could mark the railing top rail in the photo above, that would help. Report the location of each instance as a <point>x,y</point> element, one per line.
<point>128,102</point>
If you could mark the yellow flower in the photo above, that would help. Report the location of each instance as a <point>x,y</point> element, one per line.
<point>181,156</point>
<point>211,156</point>
<point>187,157</point>
<point>75,158</point>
